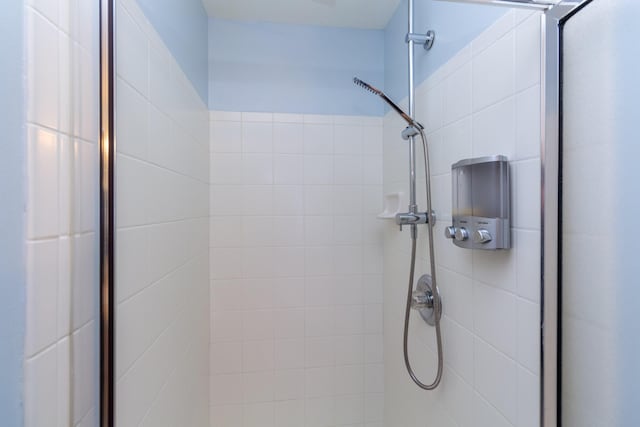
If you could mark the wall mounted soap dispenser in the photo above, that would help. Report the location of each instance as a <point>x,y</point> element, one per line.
<point>481,204</point>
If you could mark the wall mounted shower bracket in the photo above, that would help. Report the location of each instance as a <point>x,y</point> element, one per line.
<point>410,218</point>
<point>411,131</point>
<point>425,40</point>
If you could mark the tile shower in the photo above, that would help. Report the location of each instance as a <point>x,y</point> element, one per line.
<point>263,227</point>
<point>296,273</point>
<point>297,258</point>
<point>484,101</point>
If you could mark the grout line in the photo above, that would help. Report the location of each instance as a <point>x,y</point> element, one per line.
<point>51,238</point>
<point>70,136</point>
<point>158,281</point>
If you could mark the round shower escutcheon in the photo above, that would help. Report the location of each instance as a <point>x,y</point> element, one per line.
<point>423,300</point>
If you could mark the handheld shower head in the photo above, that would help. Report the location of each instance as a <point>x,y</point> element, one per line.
<point>366,86</point>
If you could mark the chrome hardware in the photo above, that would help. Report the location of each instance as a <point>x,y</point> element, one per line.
<point>461,234</point>
<point>482,203</point>
<point>484,233</point>
<point>482,236</point>
<point>421,299</point>
<point>450,232</point>
<point>411,131</point>
<point>408,218</point>
<point>425,40</point>
<point>540,5</point>
<point>411,218</point>
<point>424,301</point>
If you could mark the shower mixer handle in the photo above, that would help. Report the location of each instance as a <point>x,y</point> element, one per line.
<point>422,299</point>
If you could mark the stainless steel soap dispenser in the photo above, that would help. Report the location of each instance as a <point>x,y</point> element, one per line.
<point>481,204</point>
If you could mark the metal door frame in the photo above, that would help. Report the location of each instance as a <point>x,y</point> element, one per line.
<point>551,105</point>
<point>551,198</point>
<point>107,212</point>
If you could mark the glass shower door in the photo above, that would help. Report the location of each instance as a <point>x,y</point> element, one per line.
<point>161,289</point>
<point>600,346</point>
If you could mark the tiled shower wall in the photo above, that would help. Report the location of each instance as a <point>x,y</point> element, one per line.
<point>61,359</point>
<point>162,237</point>
<point>484,101</point>
<point>296,270</point>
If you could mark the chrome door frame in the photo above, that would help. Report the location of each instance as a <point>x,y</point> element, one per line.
<point>107,212</point>
<point>551,203</point>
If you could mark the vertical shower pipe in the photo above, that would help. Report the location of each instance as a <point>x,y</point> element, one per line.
<point>428,218</point>
<point>413,204</point>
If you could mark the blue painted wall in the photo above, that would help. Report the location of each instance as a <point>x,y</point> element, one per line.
<point>621,75</point>
<point>12,258</point>
<point>182,25</point>
<point>264,67</point>
<point>303,69</point>
<point>456,25</point>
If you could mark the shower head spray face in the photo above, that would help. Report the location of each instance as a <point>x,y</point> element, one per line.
<point>367,86</point>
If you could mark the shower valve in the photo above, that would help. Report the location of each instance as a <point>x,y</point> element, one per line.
<point>421,299</point>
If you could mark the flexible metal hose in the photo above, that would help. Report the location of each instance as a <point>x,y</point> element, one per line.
<point>437,303</point>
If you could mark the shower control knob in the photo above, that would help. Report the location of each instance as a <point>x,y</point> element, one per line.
<point>482,236</point>
<point>421,299</point>
<point>461,234</point>
<point>450,232</point>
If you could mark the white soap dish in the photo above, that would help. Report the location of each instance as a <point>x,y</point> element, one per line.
<point>392,203</point>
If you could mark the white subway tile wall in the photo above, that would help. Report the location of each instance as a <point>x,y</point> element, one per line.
<point>162,265</point>
<point>484,101</point>
<point>296,270</point>
<point>61,346</point>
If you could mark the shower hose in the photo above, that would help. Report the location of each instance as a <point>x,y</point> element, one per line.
<point>437,303</point>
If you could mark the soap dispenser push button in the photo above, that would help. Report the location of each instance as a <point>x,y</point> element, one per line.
<point>450,232</point>
<point>462,234</point>
<point>482,236</point>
